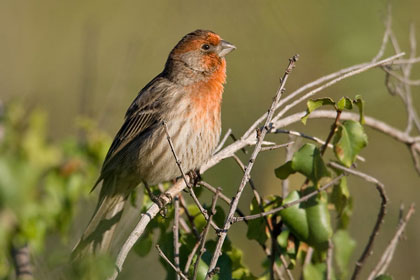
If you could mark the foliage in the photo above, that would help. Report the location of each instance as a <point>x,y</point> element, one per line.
<point>41,183</point>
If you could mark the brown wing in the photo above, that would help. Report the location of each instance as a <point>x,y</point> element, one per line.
<point>140,116</point>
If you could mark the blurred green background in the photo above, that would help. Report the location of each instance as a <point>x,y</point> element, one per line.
<point>90,58</point>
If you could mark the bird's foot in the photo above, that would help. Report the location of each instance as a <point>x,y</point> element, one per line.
<point>195,177</point>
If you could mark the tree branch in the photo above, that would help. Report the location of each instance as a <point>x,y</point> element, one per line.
<point>260,136</point>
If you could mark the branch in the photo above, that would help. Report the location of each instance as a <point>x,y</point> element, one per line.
<point>388,254</point>
<point>384,200</point>
<point>245,178</point>
<point>177,270</point>
<point>176,234</point>
<point>205,233</point>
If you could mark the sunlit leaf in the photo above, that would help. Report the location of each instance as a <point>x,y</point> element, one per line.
<point>360,104</point>
<point>349,140</point>
<point>344,103</point>
<point>312,105</point>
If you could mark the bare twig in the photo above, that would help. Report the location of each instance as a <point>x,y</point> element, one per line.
<point>384,200</point>
<point>245,178</point>
<point>275,147</point>
<point>285,265</point>
<point>178,162</point>
<point>176,234</point>
<point>388,254</point>
<point>177,270</point>
<point>223,141</point>
<point>205,233</point>
<point>329,260</point>
<point>191,256</point>
<point>221,195</point>
<point>331,133</point>
<point>189,217</point>
<point>334,81</point>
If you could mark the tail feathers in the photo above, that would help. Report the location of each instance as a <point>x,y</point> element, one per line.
<point>98,235</point>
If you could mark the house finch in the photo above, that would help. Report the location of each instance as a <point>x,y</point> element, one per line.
<point>186,96</point>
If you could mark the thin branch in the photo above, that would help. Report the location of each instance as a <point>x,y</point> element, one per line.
<point>402,79</point>
<point>384,200</point>
<point>177,270</point>
<point>285,265</point>
<point>221,195</point>
<point>245,178</point>
<point>388,254</point>
<point>176,234</point>
<point>189,217</point>
<point>287,205</point>
<point>223,141</point>
<point>336,80</point>
<point>205,233</point>
<point>331,133</point>
<point>329,260</point>
<point>178,162</point>
<point>275,147</point>
<point>191,256</point>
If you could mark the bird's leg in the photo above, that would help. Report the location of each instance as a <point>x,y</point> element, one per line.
<point>195,176</point>
<point>158,199</point>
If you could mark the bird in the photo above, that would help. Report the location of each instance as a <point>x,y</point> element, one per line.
<point>186,98</point>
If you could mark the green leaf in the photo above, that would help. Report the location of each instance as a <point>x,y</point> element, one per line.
<point>340,195</point>
<point>284,171</point>
<point>319,221</point>
<point>309,162</point>
<point>312,105</point>
<point>314,271</point>
<point>283,238</point>
<point>349,140</point>
<point>199,220</point>
<point>295,217</point>
<point>360,104</point>
<point>344,103</point>
<point>344,246</point>
<point>256,227</point>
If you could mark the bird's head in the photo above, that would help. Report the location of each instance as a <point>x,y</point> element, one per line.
<point>201,51</point>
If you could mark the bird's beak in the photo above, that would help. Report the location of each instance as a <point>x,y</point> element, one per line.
<point>225,48</point>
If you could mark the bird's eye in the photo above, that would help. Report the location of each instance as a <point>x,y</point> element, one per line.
<point>205,47</point>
